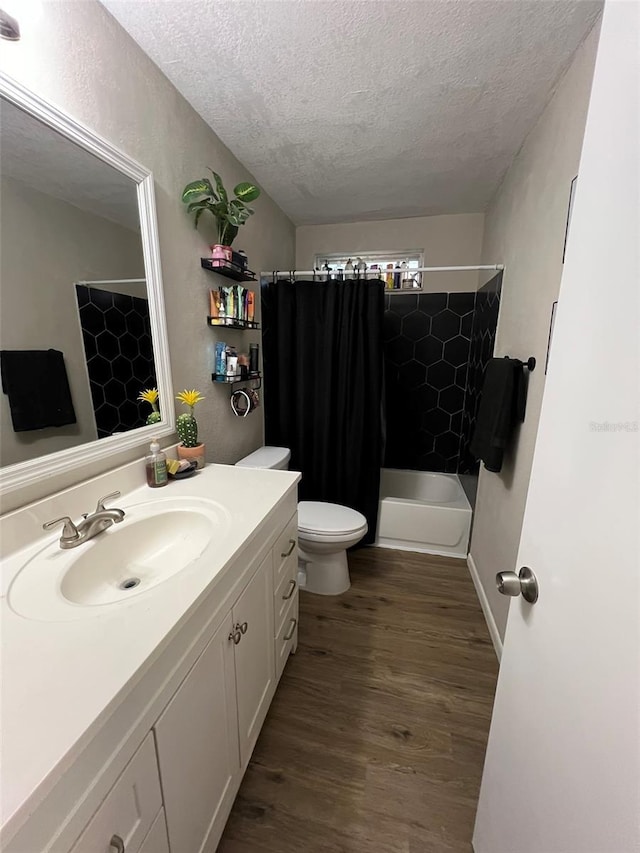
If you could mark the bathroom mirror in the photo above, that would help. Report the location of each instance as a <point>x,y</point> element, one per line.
<point>82,325</point>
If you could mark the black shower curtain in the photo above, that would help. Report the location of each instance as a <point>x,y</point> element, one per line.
<point>323,369</point>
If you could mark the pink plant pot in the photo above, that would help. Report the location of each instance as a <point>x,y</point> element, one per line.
<point>192,454</point>
<point>221,255</point>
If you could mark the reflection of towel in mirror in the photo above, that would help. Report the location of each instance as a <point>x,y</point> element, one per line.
<point>38,389</point>
<point>501,407</point>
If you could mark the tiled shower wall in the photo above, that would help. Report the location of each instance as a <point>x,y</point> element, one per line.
<point>483,339</point>
<point>430,339</point>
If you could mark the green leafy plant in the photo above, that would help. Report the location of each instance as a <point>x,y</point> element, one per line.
<point>229,214</point>
<point>186,424</point>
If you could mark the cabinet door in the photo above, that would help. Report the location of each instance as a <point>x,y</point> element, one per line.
<point>156,840</point>
<point>255,668</point>
<point>197,743</point>
<point>128,810</point>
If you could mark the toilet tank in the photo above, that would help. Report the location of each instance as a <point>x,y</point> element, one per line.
<point>267,457</point>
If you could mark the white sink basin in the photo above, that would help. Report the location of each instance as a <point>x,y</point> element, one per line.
<point>155,541</point>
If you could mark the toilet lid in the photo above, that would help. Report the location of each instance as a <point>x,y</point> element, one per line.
<point>320,517</point>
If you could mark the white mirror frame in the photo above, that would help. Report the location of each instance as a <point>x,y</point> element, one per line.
<point>13,477</point>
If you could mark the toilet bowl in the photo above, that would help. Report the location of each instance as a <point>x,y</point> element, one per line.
<point>325,531</point>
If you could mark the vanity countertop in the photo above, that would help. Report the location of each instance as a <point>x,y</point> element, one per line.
<point>60,677</point>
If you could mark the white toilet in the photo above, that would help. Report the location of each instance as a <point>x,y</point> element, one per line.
<point>325,531</point>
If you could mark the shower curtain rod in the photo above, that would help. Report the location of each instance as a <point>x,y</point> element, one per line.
<point>369,270</point>
<point>113,281</point>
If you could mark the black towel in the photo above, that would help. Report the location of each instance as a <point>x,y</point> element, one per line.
<point>502,406</point>
<point>38,389</point>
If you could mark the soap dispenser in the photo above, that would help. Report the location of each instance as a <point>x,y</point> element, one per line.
<point>156,466</point>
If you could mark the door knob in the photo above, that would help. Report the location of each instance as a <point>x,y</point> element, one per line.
<point>524,583</point>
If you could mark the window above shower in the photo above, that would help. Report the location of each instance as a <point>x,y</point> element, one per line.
<point>397,269</point>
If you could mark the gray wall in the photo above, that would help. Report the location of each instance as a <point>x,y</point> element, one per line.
<point>78,57</point>
<point>525,228</point>
<point>454,240</point>
<point>45,246</point>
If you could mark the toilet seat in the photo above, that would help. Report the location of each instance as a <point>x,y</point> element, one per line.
<point>329,521</point>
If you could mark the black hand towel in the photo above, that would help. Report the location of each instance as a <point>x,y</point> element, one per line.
<point>38,389</point>
<point>501,408</point>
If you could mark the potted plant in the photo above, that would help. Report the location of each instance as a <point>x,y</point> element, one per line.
<point>150,395</point>
<point>187,429</point>
<point>229,214</point>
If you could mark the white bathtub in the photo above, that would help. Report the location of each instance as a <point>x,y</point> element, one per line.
<point>422,511</point>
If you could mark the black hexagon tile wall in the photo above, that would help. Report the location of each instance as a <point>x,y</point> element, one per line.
<point>436,347</point>
<point>117,342</point>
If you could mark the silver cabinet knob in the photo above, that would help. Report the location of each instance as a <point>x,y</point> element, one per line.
<point>292,545</point>
<point>524,583</point>
<point>292,588</point>
<point>117,844</point>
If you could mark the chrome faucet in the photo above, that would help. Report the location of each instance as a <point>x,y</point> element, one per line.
<point>75,534</point>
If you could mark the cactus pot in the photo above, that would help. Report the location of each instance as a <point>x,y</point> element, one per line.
<point>193,454</point>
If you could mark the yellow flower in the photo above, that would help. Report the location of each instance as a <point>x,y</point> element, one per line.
<point>149,395</point>
<point>190,398</point>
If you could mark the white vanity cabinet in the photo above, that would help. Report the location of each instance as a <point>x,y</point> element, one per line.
<point>254,656</point>
<point>197,744</point>
<point>161,773</point>
<point>130,809</point>
<point>208,731</point>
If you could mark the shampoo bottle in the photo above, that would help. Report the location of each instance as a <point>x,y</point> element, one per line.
<point>156,466</point>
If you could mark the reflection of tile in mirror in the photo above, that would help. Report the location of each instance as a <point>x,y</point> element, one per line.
<point>117,340</point>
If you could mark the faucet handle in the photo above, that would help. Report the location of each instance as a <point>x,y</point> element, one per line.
<point>100,506</point>
<point>69,531</point>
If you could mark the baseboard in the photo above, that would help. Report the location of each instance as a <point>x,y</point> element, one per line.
<point>486,609</point>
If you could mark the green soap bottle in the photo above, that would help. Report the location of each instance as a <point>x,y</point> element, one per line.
<point>156,466</point>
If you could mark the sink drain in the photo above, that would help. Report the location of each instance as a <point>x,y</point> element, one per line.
<point>130,583</point>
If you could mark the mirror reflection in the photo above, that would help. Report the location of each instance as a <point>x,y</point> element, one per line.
<point>75,336</point>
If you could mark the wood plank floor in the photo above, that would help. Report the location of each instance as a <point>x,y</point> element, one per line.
<point>375,740</point>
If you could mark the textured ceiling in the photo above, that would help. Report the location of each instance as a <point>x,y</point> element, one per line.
<point>365,109</point>
<point>39,157</point>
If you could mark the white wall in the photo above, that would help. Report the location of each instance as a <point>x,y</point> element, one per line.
<point>454,240</point>
<point>45,246</point>
<point>78,57</point>
<point>525,228</point>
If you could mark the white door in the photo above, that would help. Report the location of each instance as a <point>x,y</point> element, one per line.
<point>197,745</point>
<point>563,762</point>
<point>254,656</point>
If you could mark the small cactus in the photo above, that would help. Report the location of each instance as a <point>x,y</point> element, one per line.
<point>150,395</point>
<point>187,429</point>
<point>186,424</point>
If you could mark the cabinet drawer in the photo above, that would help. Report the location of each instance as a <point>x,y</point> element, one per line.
<point>156,840</point>
<point>129,809</point>
<point>287,637</point>
<point>285,551</point>
<point>284,594</point>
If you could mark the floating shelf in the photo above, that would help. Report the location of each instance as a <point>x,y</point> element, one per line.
<point>227,269</point>
<point>231,323</point>
<point>225,379</point>
<point>230,380</point>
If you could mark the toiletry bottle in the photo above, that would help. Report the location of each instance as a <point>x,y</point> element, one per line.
<point>348,269</point>
<point>396,276</point>
<point>254,359</point>
<point>156,466</point>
